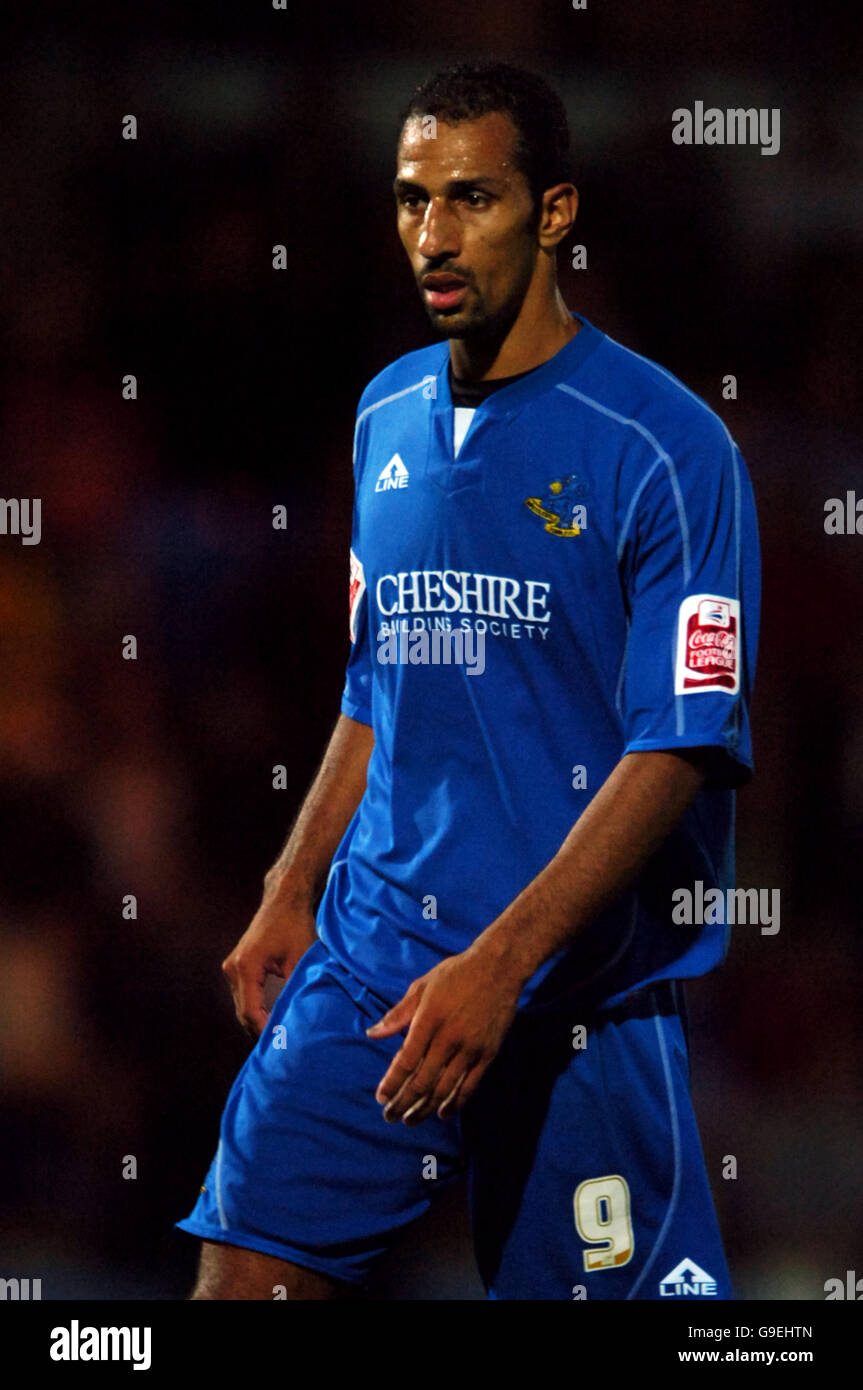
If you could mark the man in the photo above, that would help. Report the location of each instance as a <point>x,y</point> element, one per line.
<point>490,981</point>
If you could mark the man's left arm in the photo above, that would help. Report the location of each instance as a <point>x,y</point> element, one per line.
<point>459,1013</point>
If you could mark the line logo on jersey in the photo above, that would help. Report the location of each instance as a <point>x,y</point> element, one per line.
<point>708,639</point>
<point>393,475</point>
<point>357,589</point>
<point>687,1280</point>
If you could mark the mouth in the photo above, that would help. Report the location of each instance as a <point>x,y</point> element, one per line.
<point>444,291</point>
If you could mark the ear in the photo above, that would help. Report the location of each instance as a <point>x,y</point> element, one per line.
<point>559,208</point>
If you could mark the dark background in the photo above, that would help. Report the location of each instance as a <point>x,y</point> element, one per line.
<point>154,777</point>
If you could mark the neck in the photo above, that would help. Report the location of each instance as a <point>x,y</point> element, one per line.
<point>539,331</point>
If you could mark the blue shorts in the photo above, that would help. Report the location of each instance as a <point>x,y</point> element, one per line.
<point>585,1171</point>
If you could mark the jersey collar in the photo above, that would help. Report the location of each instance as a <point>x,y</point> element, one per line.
<point>510,399</point>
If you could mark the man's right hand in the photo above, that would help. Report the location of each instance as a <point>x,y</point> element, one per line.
<point>283,928</point>
<point>276,937</point>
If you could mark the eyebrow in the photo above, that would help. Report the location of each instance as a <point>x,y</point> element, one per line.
<point>454,187</point>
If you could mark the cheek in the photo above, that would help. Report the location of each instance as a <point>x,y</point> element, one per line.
<point>508,249</point>
<point>509,266</point>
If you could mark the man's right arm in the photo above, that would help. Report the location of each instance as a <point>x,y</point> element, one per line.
<point>283,927</point>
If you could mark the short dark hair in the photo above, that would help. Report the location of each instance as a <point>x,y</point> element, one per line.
<point>470,90</point>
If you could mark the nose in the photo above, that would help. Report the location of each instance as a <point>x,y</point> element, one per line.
<point>438,236</point>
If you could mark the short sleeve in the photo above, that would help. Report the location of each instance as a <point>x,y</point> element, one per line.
<point>357,692</point>
<point>691,576</point>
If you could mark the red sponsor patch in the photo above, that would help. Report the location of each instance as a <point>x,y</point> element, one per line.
<point>708,636</point>
<point>356,591</point>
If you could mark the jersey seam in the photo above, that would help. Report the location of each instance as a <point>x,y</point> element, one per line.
<point>687,391</point>
<point>661,452</point>
<point>218,1185</point>
<point>634,503</point>
<point>675,1135</point>
<point>682,520</point>
<point>735,457</point>
<point>386,400</point>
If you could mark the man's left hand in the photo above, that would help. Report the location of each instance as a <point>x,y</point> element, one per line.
<point>459,1014</point>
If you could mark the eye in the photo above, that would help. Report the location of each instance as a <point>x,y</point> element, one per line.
<point>409,200</point>
<point>476,199</point>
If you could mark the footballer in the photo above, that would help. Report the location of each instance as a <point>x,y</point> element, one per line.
<point>472,915</point>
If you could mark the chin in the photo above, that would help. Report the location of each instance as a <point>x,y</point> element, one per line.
<point>456,325</point>
<point>449,330</point>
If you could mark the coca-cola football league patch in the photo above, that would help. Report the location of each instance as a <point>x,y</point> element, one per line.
<point>708,641</point>
<point>357,589</point>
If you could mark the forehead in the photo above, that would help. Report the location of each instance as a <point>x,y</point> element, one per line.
<point>471,149</point>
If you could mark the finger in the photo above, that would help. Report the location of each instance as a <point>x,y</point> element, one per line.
<point>422,1082</point>
<point>448,1080</point>
<point>395,1020</point>
<point>247,988</point>
<point>407,1059</point>
<point>446,1105</point>
<point>463,1091</point>
<point>255,1016</point>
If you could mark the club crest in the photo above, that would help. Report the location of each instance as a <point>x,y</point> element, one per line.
<point>561,509</point>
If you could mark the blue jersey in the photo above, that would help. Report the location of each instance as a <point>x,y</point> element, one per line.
<point>594,541</point>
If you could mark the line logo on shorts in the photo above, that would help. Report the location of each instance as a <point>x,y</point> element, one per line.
<point>708,633</point>
<point>687,1280</point>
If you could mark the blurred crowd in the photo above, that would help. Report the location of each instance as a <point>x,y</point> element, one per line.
<point>152,777</point>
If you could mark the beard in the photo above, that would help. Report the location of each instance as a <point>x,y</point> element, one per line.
<point>475,323</point>
<point>452,323</point>
<point>476,320</point>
